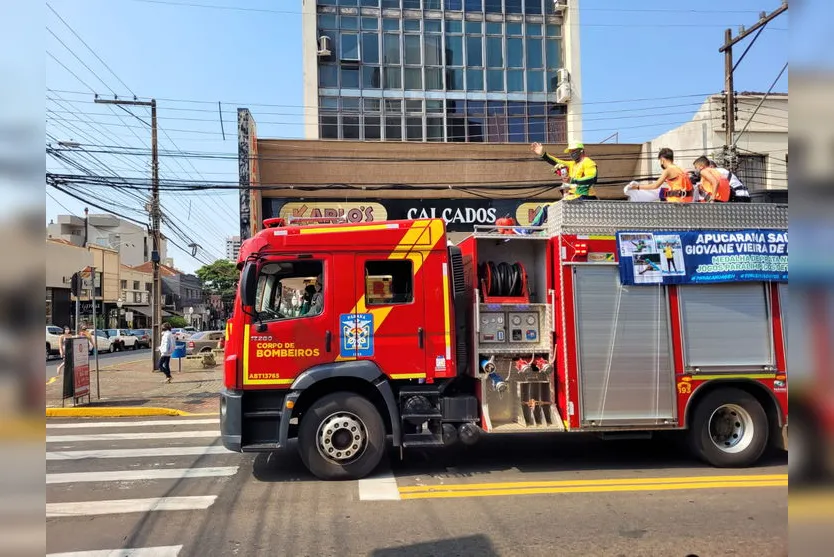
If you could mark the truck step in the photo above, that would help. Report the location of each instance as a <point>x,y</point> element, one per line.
<point>424,390</point>
<point>263,414</point>
<point>422,415</point>
<point>422,440</point>
<point>260,447</point>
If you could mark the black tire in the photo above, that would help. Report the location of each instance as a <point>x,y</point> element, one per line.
<point>736,447</point>
<point>322,411</point>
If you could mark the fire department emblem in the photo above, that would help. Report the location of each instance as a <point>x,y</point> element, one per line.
<point>357,338</point>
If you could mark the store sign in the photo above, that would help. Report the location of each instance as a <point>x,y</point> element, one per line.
<point>86,307</point>
<point>703,256</point>
<point>460,215</point>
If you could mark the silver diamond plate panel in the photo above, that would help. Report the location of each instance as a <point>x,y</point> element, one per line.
<point>610,217</point>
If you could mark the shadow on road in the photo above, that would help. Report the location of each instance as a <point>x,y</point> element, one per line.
<point>522,453</point>
<point>469,545</point>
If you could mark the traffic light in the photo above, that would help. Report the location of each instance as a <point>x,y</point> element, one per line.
<point>75,285</point>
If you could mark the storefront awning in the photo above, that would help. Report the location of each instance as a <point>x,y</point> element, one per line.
<point>146,311</point>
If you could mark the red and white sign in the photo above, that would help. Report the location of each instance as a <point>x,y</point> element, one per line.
<point>81,366</point>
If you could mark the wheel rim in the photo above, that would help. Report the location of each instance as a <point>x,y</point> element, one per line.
<point>731,428</point>
<point>342,438</point>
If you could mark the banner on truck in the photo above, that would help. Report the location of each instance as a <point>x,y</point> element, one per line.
<point>703,256</point>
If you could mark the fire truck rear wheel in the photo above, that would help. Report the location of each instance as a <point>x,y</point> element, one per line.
<point>341,437</point>
<point>729,429</point>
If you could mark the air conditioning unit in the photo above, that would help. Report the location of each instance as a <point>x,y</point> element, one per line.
<point>562,76</point>
<point>560,5</point>
<point>324,46</point>
<point>563,93</point>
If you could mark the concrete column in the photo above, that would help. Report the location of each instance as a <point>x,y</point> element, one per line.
<point>310,71</point>
<point>570,33</point>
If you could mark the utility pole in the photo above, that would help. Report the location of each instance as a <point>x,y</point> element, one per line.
<point>155,218</point>
<point>730,158</point>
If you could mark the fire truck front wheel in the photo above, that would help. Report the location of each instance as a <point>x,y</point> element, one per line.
<point>341,437</point>
<point>729,429</point>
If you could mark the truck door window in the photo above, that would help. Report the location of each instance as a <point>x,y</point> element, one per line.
<point>389,282</point>
<point>287,289</point>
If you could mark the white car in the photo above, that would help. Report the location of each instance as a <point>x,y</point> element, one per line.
<point>122,339</point>
<point>103,342</point>
<point>53,342</point>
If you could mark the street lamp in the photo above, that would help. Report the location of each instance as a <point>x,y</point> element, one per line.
<point>119,304</point>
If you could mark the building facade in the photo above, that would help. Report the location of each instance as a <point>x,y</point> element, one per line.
<point>492,71</point>
<point>62,261</point>
<point>133,242</point>
<point>761,146</point>
<point>232,248</point>
<point>180,291</point>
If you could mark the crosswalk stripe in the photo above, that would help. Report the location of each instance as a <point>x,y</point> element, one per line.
<point>162,551</point>
<point>138,475</point>
<point>91,508</point>
<point>137,453</point>
<point>131,436</point>
<point>146,423</point>
<point>382,487</point>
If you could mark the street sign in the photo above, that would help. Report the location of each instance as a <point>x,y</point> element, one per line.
<point>77,369</point>
<point>129,316</point>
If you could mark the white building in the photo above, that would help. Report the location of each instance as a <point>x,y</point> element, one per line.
<point>232,248</point>
<point>133,242</point>
<point>762,143</point>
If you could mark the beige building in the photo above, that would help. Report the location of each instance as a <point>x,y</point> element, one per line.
<point>762,140</point>
<point>62,261</point>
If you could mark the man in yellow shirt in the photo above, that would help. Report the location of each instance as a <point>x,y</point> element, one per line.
<point>582,171</point>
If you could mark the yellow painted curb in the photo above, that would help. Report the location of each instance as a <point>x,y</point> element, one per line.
<point>113,412</point>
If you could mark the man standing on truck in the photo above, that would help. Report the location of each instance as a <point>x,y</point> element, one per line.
<point>738,191</point>
<point>714,187</point>
<point>675,178</point>
<point>582,170</point>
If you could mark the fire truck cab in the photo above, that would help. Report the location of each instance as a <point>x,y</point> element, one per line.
<point>344,335</point>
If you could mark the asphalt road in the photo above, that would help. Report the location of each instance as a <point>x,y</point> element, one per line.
<point>103,359</point>
<point>168,484</point>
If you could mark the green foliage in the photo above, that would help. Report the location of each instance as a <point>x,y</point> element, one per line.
<point>219,277</point>
<point>176,321</point>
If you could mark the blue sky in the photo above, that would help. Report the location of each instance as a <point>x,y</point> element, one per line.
<point>664,52</point>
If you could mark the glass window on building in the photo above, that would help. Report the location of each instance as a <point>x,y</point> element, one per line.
<point>124,285</point>
<point>517,122</point>
<point>474,51</point>
<point>370,24</point>
<point>433,26</point>
<point>391,49</point>
<point>433,50</point>
<point>350,126</point>
<point>554,53</point>
<point>493,6</point>
<point>329,126</point>
<point>454,26</point>
<point>370,48</point>
<point>514,29</point>
<point>414,128</point>
<point>349,23</point>
<point>493,28</point>
<point>328,76</point>
<point>434,79</point>
<point>371,105</point>
<point>393,128</point>
<point>328,21</point>
<point>515,81</point>
<point>350,78</point>
<point>371,78</point>
<point>456,120</point>
<point>413,79</point>
<point>390,24</point>
<point>495,80</point>
<point>328,2</point>
<point>533,29</point>
<point>513,6</point>
<point>136,285</point>
<point>349,47</point>
<point>535,81</point>
<point>454,79</point>
<point>393,77</point>
<point>475,121</point>
<point>536,122</point>
<point>515,53</point>
<point>412,50</point>
<point>453,5</point>
<point>434,128</point>
<point>475,79</point>
<point>554,30</point>
<point>411,25</point>
<point>391,4</point>
<point>373,130</point>
<point>495,52</point>
<point>474,28</point>
<point>411,4</point>
<point>369,3</point>
<point>535,56</point>
<point>454,50</point>
<point>432,4</point>
<point>474,5</point>
<point>533,7</point>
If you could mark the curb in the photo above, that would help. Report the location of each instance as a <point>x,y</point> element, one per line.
<point>113,412</point>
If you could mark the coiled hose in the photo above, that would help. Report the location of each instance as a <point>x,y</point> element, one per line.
<point>502,279</point>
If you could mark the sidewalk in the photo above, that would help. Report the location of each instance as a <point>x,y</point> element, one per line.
<point>193,390</point>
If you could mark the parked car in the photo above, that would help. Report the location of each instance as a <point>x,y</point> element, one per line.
<point>181,334</point>
<point>190,330</point>
<point>122,339</point>
<point>104,343</point>
<point>143,337</point>
<point>53,335</point>
<point>204,341</point>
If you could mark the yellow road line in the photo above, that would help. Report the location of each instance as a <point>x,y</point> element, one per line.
<point>594,489</point>
<point>51,380</point>
<point>112,412</point>
<point>591,486</point>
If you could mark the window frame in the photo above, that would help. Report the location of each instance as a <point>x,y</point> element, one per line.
<point>261,291</point>
<point>393,262</point>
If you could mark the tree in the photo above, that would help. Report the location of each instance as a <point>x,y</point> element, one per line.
<point>219,277</point>
<point>176,321</point>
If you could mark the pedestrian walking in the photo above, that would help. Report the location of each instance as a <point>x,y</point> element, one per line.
<point>166,348</point>
<point>67,334</point>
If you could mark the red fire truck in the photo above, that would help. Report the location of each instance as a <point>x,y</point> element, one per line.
<point>344,335</point>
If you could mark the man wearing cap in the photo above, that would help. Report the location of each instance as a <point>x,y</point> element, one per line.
<point>582,171</point>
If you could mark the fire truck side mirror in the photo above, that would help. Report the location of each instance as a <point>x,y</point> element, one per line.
<point>248,283</point>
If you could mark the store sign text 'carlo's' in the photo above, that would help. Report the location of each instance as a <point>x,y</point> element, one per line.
<point>350,211</point>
